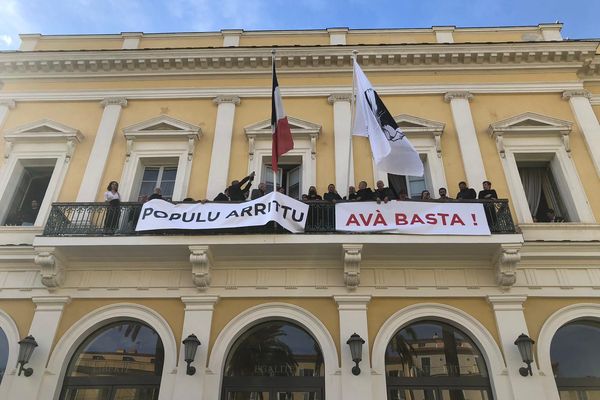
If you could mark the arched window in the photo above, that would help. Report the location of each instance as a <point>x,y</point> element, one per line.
<point>122,360</point>
<point>3,353</point>
<point>274,360</point>
<point>431,360</point>
<point>575,355</point>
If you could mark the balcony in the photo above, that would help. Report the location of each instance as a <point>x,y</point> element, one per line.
<point>88,219</point>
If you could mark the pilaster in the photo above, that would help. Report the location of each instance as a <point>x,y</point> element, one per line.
<point>510,320</point>
<point>353,319</point>
<point>94,169</point>
<point>131,40</point>
<point>551,31</point>
<point>48,311</point>
<point>231,37</point>
<point>467,137</point>
<point>337,36</point>
<point>5,107</point>
<point>342,126</point>
<point>197,320</point>
<point>221,150</point>
<point>444,34</point>
<point>579,100</point>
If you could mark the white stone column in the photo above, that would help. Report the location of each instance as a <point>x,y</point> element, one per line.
<point>48,312</point>
<point>508,310</point>
<point>467,137</point>
<point>342,126</point>
<point>353,319</point>
<point>221,149</point>
<point>94,169</point>
<point>197,320</point>
<point>579,100</point>
<point>5,107</point>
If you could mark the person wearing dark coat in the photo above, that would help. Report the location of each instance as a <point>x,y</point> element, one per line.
<point>465,192</point>
<point>383,193</point>
<point>312,194</point>
<point>155,195</point>
<point>487,193</point>
<point>364,193</point>
<point>260,192</point>
<point>239,193</point>
<point>351,194</point>
<point>331,195</point>
<point>223,196</point>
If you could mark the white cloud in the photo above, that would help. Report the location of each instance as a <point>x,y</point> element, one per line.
<point>7,40</point>
<point>12,22</point>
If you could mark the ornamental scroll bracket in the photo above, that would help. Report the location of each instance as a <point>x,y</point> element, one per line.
<point>52,267</point>
<point>352,254</point>
<point>506,261</point>
<point>202,261</point>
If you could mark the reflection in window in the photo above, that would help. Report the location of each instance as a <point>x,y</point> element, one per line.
<point>29,191</point>
<point>125,358</point>
<point>3,353</point>
<point>162,177</point>
<point>274,360</point>
<point>575,355</point>
<point>433,360</point>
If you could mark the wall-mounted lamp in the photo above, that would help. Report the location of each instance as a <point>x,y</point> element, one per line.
<point>525,345</point>
<point>356,343</point>
<point>190,344</point>
<point>26,347</point>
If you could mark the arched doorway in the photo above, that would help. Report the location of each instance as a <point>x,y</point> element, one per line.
<point>575,357</point>
<point>432,360</point>
<point>122,360</point>
<point>3,353</point>
<point>274,360</point>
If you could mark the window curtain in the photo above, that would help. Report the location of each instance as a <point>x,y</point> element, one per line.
<point>550,195</point>
<point>532,184</point>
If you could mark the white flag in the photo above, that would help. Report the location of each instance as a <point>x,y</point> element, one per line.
<point>391,149</point>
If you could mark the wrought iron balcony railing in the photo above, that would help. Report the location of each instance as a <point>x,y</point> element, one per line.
<point>101,219</point>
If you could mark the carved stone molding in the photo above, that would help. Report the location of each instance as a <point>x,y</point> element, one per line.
<point>506,260</point>
<point>352,257</point>
<point>52,266</point>
<point>448,97</point>
<point>227,99</point>
<point>567,94</point>
<point>114,101</point>
<point>201,259</point>
<point>334,98</point>
<point>8,103</point>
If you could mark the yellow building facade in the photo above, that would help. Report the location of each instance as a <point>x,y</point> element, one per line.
<point>273,311</point>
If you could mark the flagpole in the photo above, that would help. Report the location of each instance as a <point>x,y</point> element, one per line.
<point>272,161</point>
<point>352,115</point>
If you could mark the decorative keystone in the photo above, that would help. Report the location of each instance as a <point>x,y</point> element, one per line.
<point>352,258</point>
<point>51,265</point>
<point>506,261</point>
<point>201,259</point>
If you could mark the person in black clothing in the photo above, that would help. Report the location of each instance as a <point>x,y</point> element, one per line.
<point>351,194</point>
<point>364,193</point>
<point>444,194</point>
<point>332,195</point>
<point>487,193</point>
<point>312,194</point>
<point>465,192</point>
<point>30,214</point>
<point>239,193</point>
<point>260,192</point>
<point>383,193</point>
<point>156,194</point>
<point>425,195</point>
<point>223,196</point>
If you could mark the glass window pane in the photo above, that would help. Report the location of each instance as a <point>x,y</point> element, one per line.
<point>87,394</point>
<point>575,352</point>
<point>150,174</point>
<point>247,396</point>
<point>304,395</point>
<point>169,174</point>
<point>411,394</point>
<point>137,393</point>
<point>448,394</point>
<point>275,348</point>
<point>124,348</point>
<point>3,353</point>
<point>432,348</point>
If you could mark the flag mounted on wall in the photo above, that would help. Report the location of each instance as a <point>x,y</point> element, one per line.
<point>392,151</point>
<point>282,135</point>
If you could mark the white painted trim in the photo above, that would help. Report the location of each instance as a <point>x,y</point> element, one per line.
<point>264,312</point>
<point>588,125</point>
<point>68,343</point>
<point>450,315</point>
<point>325,91</point>
<point>8,326</point>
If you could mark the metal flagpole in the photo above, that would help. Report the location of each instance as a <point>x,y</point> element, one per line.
<point>275,126</point>
<point>352,115</point>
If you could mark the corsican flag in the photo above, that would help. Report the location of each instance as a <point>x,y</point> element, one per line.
<point>282,135</point>
<point>391,149</point>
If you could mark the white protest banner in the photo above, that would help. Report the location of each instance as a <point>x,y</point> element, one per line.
<point>289,213</point>
<point>410,217</point>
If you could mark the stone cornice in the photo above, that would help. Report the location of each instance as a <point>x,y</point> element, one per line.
<point>567,54</point>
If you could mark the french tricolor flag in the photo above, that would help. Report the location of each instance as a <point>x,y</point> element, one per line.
<point>282,135</point>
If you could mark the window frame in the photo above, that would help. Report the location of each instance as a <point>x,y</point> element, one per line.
<point>37,142</point>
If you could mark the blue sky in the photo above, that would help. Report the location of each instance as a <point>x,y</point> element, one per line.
<point>580,17</point>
